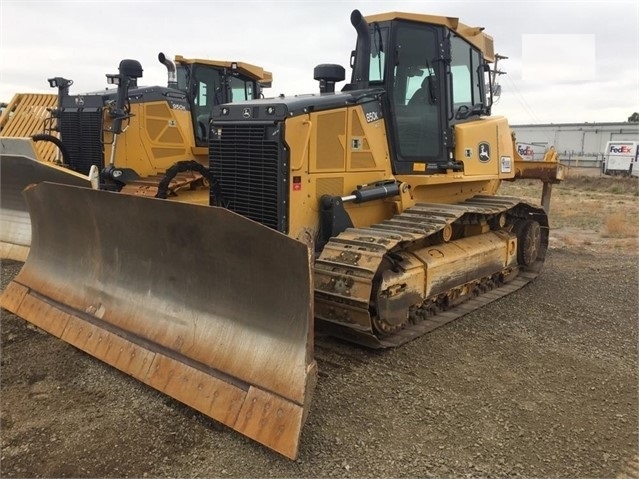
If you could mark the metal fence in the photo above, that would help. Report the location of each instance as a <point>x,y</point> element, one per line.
<point>582,161</point>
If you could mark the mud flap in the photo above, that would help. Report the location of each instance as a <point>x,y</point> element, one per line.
<point>207,306</point>
<point>19,167</point>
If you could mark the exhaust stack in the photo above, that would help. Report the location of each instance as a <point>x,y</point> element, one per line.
<point>170,67</point>
<point>362,51</point>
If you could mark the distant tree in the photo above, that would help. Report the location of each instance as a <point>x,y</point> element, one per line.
<point>634,118</point>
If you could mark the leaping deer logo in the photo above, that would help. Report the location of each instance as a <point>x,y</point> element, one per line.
<point>484,152</point>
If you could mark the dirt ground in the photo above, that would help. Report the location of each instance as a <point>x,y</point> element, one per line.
<point>541,383</point>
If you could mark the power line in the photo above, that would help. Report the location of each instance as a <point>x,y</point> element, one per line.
<point>523,101</point>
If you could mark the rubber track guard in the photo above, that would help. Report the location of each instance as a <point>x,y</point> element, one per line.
<point>198,302</point>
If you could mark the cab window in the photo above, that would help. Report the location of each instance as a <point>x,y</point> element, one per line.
<point>467,78</point>
<point>205,87</point>
<point>414,93</point>
<point>241,89</point>
<point>379,42</point>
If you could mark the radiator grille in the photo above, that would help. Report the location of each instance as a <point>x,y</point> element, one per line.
<point>81,134</point>
<point>250,166</point>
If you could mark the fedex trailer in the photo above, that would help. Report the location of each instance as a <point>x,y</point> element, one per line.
<point>621,157</point>
<point>532,151</point>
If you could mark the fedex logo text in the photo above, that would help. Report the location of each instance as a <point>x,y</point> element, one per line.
<point>620,149</point>
<point>525,151</point>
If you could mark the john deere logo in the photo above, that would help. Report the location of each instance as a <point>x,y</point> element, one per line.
<point>484,152</point>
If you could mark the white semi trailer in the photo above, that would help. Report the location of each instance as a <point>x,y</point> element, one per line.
<point>621,158</point>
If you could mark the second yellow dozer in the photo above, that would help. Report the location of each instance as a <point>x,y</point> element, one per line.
<point>372,211</point>
<point>140,140</point>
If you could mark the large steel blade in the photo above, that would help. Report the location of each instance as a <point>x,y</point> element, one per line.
<point>205,305</point>
<point>19,167</point>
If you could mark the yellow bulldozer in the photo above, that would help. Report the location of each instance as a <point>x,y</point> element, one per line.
<point>24,117</point>
<point>142,140</point>
<point>370,213</point>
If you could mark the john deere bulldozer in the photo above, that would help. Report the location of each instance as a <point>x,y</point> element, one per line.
<point>372,211</point>
<point>142,140</point>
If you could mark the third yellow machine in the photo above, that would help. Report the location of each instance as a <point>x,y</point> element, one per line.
<point>372,211</point>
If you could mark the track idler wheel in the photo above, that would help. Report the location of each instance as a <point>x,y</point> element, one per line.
<point>529,241</point>
<point>384,327</point>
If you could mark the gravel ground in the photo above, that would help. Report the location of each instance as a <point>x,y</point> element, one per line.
<point>541,383</point>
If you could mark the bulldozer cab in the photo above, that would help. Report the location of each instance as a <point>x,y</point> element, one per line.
<point>209,83</point>
<point>433,71</point>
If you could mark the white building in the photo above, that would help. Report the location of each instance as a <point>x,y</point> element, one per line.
<point>577,143</point>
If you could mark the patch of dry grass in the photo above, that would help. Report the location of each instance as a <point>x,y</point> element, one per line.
<point>587,210</point>
<point>584,184</point>
<point>619,225</point>
<point>567,214</point>
<point>603,184</point>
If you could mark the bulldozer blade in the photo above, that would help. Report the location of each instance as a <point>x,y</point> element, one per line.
<point>19,167</point>
<point>211,308</point>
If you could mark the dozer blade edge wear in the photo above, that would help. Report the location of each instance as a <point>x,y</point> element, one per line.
<point>231,338</point>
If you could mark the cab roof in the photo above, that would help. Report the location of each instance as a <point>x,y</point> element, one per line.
<point>253,71</point>
<point>473,35</point>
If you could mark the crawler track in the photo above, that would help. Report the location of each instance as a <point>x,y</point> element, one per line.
<point>347,271</point>
<point>149,186</point>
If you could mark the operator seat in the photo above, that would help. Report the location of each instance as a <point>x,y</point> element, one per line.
<point>202,132</point>
<point>422,95</point>
<point>418,124</point>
